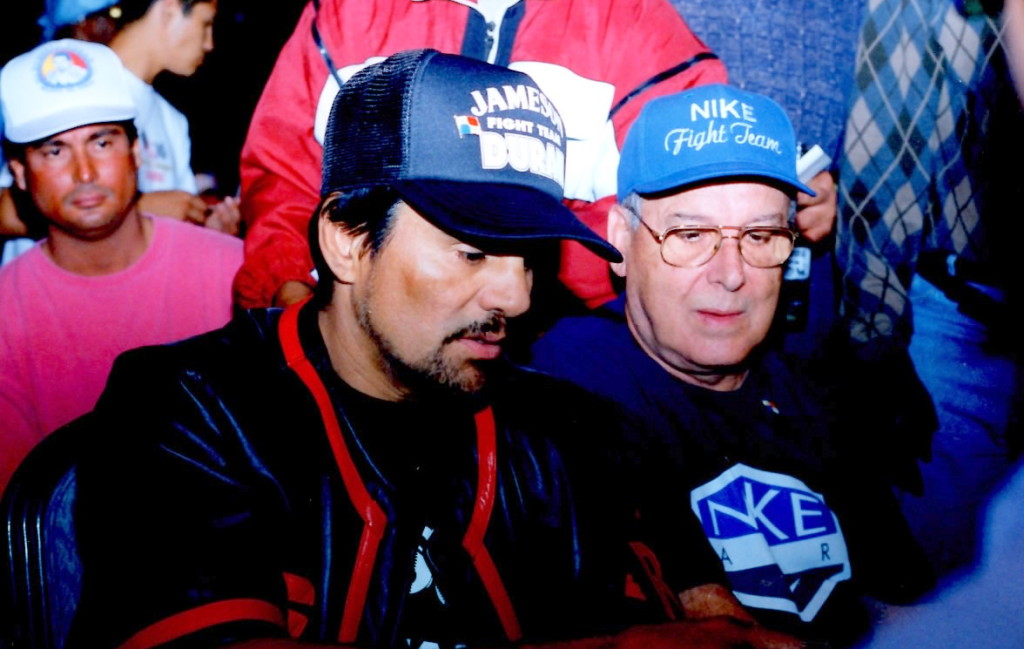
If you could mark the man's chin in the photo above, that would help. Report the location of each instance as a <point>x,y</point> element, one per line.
<point>466,383</point>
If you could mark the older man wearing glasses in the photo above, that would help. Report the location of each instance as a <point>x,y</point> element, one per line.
<point>737,452</point>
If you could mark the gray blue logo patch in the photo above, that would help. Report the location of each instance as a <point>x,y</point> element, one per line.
<point>779,542</point>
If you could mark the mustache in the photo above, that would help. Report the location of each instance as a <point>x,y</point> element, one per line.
<point>85,189</point>
<point>493,325</point>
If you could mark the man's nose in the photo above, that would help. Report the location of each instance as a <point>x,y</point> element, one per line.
<point>727,266</point>
<point>508,286</point>
<point>84,167</point>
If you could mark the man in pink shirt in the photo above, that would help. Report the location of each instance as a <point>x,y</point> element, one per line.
<point>107,278</point>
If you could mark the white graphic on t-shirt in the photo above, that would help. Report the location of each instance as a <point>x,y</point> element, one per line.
<point>423,585</point>
<point>779,542</point>
<point>424,577</point>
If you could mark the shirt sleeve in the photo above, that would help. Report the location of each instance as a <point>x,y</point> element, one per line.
<point>913,176</point>
<point>174,518</point>
<point>185,173</point>
<point>280,172</point>
<point>19,435</point>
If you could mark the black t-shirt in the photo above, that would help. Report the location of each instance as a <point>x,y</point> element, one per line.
<point>425,454</point>
<point>796,529</point>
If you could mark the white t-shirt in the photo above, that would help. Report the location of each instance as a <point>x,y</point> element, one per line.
<point>163,141</point>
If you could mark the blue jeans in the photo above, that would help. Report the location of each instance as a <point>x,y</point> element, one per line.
<point>981,608</point>
<point>974,392</point>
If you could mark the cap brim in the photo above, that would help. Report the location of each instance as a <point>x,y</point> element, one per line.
<point>499,212</point>
<point>720,171</point>
<point>50,125</point>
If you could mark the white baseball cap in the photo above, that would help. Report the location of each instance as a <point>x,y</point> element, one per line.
<point>62,85</point>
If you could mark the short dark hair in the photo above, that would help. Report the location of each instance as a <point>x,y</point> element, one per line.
<point>132,10</point>
<point>368,210</point>
<point>16,151</point>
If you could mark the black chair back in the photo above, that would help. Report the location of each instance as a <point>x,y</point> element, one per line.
<point>39,566</point>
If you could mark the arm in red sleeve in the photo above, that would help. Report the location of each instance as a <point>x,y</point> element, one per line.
<point>281,160</point>
<point>280,172</point>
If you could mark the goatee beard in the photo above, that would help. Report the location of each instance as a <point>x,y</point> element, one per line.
<point>434,379</point>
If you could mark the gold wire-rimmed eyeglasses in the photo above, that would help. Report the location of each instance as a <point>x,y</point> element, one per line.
<point>690,246</point>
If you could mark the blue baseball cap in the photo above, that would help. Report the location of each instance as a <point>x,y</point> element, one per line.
<point>60,13</point>
<point>707,133</point>
<point>477,149</point>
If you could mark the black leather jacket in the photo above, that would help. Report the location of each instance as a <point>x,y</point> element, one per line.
<point>216,506</point>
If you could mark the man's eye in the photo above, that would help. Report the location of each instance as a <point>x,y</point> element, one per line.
<point>758,237</point>
<point>51,151</point>
<point>472,256</point>
<point>692,236</point>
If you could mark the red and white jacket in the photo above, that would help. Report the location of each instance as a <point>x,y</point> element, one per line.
<point>587,55</point>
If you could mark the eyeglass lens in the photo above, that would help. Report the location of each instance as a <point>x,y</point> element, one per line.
<point>761,248</point>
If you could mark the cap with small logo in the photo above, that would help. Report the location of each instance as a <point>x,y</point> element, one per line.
<point>707,133</point>
<point>477,149</point>
<point>62,85</point>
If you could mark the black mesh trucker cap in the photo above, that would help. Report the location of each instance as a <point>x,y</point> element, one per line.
<point>477,149</point>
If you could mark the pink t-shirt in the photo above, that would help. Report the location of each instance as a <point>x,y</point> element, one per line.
<point>60,332</point>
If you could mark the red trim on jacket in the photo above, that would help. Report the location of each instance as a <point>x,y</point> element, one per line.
<point>487,479</point>
<point>181,624</point>
<point>652,569</point>
<point>374,518</point>
<point>300,591</point>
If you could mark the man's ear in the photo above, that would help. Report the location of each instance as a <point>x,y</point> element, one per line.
<point>620,235</point>
<point>18,171</point>
<point>137,154</point>
<point>168,8</point>
<point>342,250</point>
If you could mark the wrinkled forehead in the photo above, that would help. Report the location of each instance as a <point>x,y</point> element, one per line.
<point>731,201</point>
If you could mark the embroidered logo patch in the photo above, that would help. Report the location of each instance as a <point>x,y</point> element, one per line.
<point>64,68</point>
<point>467,125</point>
<point>779,542</point>
<point>518,129</point>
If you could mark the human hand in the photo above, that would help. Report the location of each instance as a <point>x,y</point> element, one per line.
<point>175,204</point>
<point>1013,43</point>
<point>709,633</point>
<point>712,600</point>
<point>11,224</point>
<point>224,216</point>
<point>292,292</point>
<point>816,215</point>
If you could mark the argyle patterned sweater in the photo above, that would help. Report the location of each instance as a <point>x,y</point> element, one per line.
<point>931,157</point>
